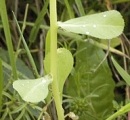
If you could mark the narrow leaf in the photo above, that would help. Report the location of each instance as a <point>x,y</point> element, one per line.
<point>35,90</point>
<point>1,83</point>
<point>105,25</point>
<point>26,48</point>
<point>5,22</point>
<point>121,71</point>
<point>123,110</point>
<point>38,22</point>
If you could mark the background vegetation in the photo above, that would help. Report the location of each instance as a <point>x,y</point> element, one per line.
<point>92,95</point>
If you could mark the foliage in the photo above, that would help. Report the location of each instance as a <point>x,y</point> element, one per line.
<point>64,66</point>
<point>105,26</point>
<point>94,87</point>
<point>81,78</point>
<point>33,91</point>
<point>122,72</point>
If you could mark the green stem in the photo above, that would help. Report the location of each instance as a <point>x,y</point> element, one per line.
<point>71,14</point>
<point>24,25</point>
<point>27,49</point>
<point>1,83</point>
<point>120,112</point>
<point>80,7</point>
<point>5,22</point>
<point>53,62</point>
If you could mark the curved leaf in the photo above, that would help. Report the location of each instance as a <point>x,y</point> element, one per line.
<point>105,25</point>
<point>64,65</point>
<point>33,90</point>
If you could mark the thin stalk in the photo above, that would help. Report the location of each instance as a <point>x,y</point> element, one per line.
<point>107,53</point>
<point>71,14</point>
<point>105,47</point>
<point>27,49</point>
<point>5,22</point>
<point>80,7</point>
<point>1,83</point>
<point>24,25</point>
<point>53,60</point>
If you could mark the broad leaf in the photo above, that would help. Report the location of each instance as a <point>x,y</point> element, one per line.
<point>64,66</point>
<point>95,87</point>
<point>105,25</point>
<point>22,69</point>
<point>33,90</point>
<point>121,71</point>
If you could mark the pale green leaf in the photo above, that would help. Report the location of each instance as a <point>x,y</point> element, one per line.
<point>33,90</point>
<point>64,65</point>
<point>122,72</point>
<point>114,42</point>
<point>105,25</point>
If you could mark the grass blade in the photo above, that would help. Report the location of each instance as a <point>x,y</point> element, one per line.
<point>80,7</point>
<point>38,22</point>
<point>27,50</point>
<point>122,72</point>
<point>1,83</point>
<point>5,22</point>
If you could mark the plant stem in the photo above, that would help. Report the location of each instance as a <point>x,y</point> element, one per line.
<point>5,23</point>
<point>80,7</point>
<point>1,83</point>
<point>27,49</point>
<point>53,59</point>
